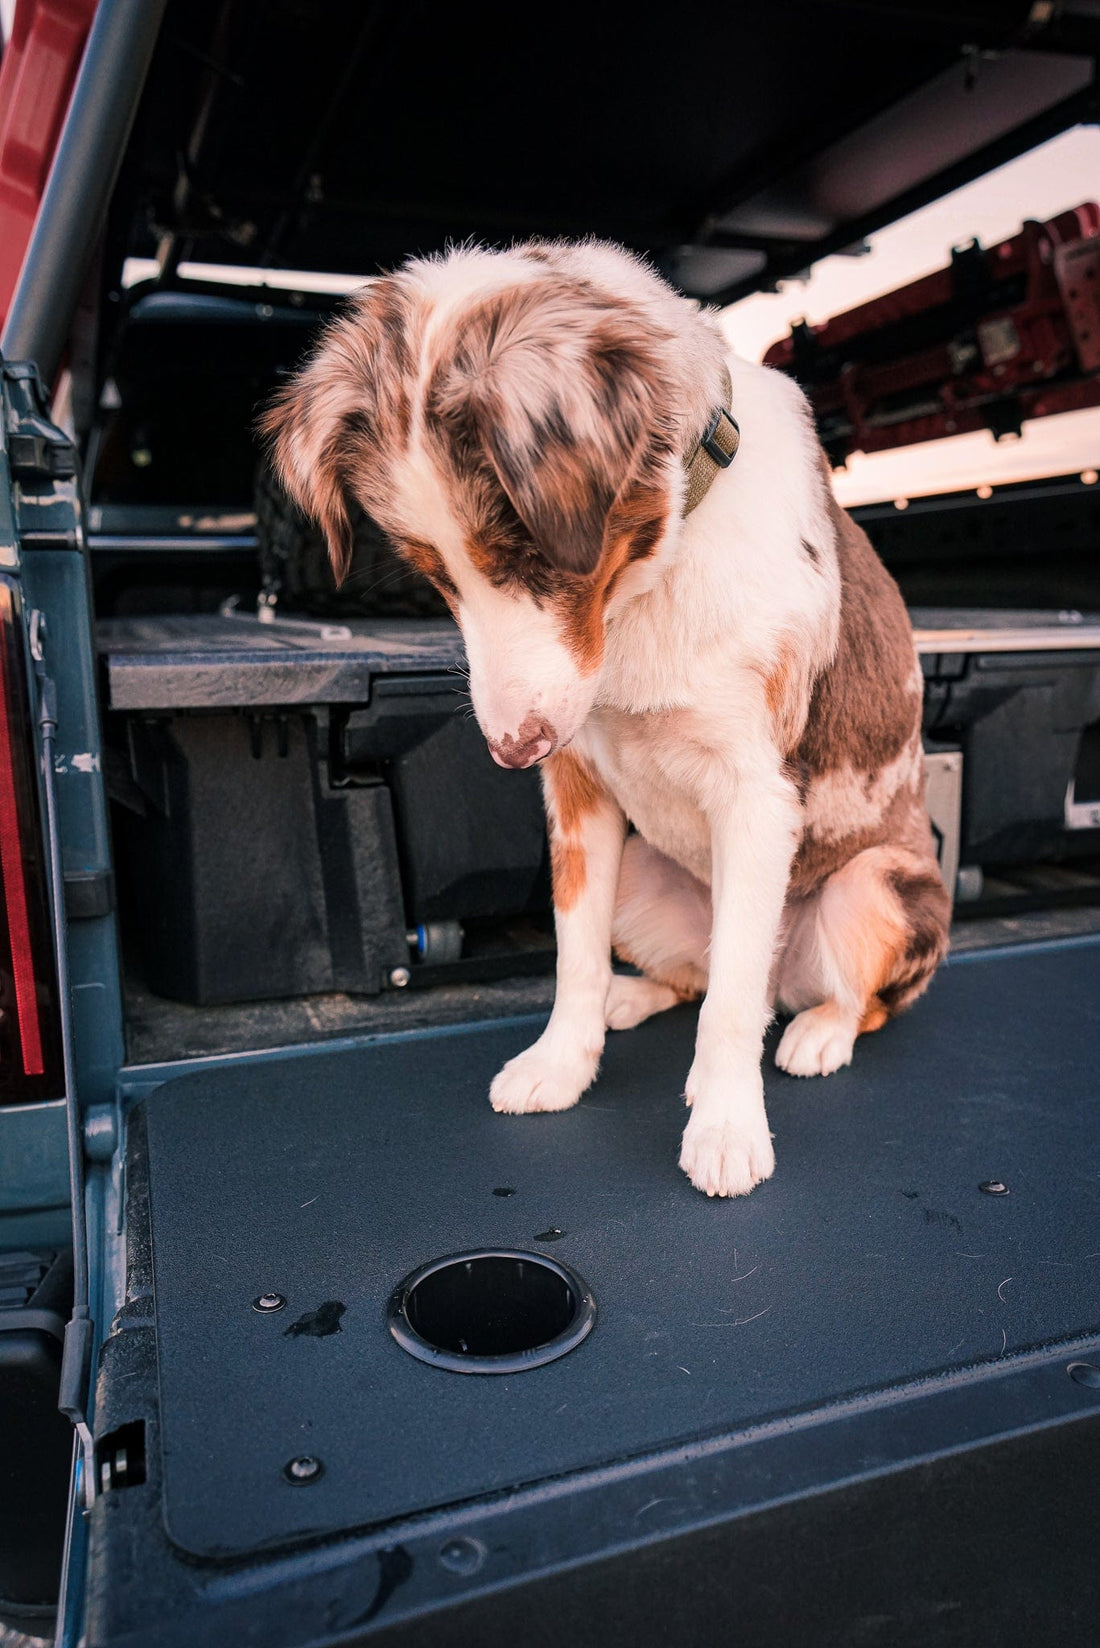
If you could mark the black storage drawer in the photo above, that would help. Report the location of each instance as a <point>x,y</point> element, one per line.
<point>249,876</point>
<point>36,1290</point>
<point>292,798</point>
<point>1019,694</point>
<point>471,835</point>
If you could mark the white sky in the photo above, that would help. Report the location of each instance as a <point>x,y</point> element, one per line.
<point>1048,180</point>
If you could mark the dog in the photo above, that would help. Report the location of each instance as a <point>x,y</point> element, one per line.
<point>664,606</point>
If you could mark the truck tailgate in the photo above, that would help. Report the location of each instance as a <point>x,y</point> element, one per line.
<point>870,1307</point>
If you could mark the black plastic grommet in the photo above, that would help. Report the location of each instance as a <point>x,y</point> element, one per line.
<point>492,1310</point>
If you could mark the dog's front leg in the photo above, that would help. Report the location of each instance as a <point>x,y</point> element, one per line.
<point>587,831</point>
<point>727,1147</point>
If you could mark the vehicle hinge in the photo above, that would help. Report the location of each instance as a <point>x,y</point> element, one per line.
<point>40,457</point>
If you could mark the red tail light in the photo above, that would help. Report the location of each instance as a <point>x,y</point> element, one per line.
<point>30,1049</point>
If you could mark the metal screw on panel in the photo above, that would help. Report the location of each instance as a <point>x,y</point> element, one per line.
<point>462,1556</point>
<point>303,1469</point>
<point>268,1302</point>
<point>994,1187</point>
<point>1085,1373</point>
<point>399,977</point>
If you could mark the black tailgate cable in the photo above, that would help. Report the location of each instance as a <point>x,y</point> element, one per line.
<point>76,1359</point>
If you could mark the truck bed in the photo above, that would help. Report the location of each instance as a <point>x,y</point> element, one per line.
<point>870,1316</point>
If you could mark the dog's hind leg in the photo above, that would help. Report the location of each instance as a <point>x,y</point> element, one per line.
<point>662,926</point>
<point>630,1000</point>
<point>857,953</point>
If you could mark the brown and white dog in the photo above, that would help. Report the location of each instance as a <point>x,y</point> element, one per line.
<point>739,682</point>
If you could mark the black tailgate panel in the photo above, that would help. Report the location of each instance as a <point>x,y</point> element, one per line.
<point>872,1258</point>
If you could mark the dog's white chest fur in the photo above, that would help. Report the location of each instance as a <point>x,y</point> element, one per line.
<point>641,759</point>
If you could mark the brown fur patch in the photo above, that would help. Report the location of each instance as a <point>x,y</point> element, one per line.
<point>926,907</point>
<point>634,529</point>
<point>876,939</point>
<point>429,563</point>
<point>797,773</point>
<point>919,897</point>
<point>540,408</point>
<point>335,428</point>
<point>903,822</point>
<point>316,485</point>
<point>785,691</point>
<point>924,898</point>
<point>573,790</point>
<point>874,1019</point>
<point>569,871</point>
<point>863,710</point>
<point>573,793</point>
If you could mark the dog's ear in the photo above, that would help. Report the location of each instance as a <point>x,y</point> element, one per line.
<point>321,426</point>
<point>559,393</point>
<point>305,426</point>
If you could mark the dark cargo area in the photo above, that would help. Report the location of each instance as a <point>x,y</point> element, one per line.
<point>338,809</point>
<point>306,807</point>
<point>834,1327</point>
<point>316,783</point>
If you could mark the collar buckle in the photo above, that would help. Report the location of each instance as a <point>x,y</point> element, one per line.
<point>722,455</point>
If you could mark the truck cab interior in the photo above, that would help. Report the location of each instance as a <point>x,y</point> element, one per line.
<point>367,1361</point>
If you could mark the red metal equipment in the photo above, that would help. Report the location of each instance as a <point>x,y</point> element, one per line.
<point>36,80</point>
<point>999,336</point>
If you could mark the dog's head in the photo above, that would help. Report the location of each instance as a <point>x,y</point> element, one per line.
<point>502,418</point>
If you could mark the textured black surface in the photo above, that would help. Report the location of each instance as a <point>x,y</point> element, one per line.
<point>166,1030</point>
<point>207,661</point>
<point>872,1257</point>
<point>36,1291</point>
<point>246,873</point>
<point>987,1552</point>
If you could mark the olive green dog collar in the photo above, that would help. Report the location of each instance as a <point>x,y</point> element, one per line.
<point>716,451</point>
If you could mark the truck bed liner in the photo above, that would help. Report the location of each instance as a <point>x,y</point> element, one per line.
<point>872,1263</point>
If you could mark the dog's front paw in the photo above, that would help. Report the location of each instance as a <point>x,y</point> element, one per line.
<point>541,1079</point>
<point>727,1155</point>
